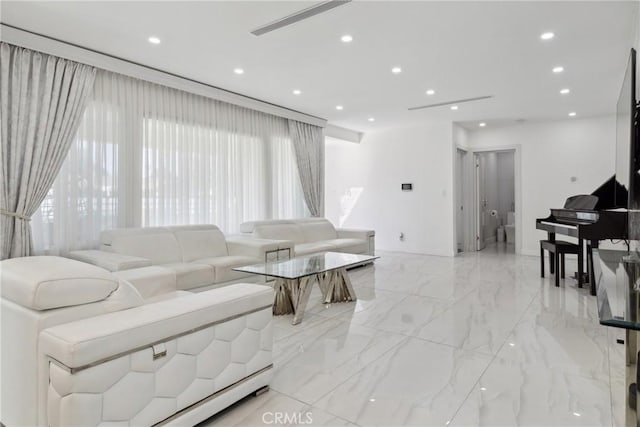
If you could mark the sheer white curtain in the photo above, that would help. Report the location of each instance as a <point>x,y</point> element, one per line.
<point>88,194</point>
<point>149,155</point>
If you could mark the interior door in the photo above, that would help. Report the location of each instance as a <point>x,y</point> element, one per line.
<point>459,200</point>
<point>481,203</point>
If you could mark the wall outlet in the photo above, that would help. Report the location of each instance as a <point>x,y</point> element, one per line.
<point>401,237</point>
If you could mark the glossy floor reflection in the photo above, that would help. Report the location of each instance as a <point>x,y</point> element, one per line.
<point>479,339</point>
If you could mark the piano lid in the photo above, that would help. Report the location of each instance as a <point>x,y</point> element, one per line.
<point>608,193</point>
<point>583,202</point>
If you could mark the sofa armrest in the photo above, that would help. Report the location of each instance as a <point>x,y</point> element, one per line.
<point>352,233</point>
<point>109,260</point>
<point>96,339</point>
<point>257,248</point>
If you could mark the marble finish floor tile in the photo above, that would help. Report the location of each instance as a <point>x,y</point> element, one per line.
<point>417,383</point>
<point>273,408</point>
<point>470,325</point>
<point>313,362</point>
<point>282,327</point>
<point>407,316</point>
<point>477,339</point>
<point>511,393</point>
<point>559,340</point>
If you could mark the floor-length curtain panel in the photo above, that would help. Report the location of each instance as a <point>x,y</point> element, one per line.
<point>308,143</point>
<point>94,187</point>
<point>42,99</point>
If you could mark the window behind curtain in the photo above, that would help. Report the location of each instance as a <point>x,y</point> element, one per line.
<point>195,174</point>
<point>84,199</point>
<point>148,155</point>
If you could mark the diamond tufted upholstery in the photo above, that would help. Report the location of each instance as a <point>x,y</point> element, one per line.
<point>145,391</point>
<point>93,363</point>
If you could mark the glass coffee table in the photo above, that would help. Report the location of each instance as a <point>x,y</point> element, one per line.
<point>295,277</point>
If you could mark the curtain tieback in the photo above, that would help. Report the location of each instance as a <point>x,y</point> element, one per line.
<point>15,215</point>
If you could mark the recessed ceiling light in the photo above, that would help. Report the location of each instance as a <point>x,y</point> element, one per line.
<point>547,36</point>
<point>577,414</point>
<point>238,71</point>
<point>454,107</point>
<point>154,40</point>
<point>339,107</point>
<point>371,119</point>
<point>483,124</point>
<point>430,92</point>
<point>572,114</point>
<point>558,69</point>
<point>396,70</point>
<point>564,91</point>
<point>483,389</point>
<point>346,38</point>
<point>297,92</point>
<point>372,400</point>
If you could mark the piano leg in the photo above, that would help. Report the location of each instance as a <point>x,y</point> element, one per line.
<point>556,256</point>
<point>580,262</point>
<point>551,238</point>
<point>592,275</point>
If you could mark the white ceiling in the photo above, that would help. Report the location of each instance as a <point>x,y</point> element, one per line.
<point>460,49</point>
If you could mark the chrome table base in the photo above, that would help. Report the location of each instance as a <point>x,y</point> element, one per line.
<point>292,295</point>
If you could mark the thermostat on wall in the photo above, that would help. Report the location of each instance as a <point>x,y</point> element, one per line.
<point>407,187</point>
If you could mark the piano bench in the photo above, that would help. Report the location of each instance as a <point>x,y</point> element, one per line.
<point>558,248</point>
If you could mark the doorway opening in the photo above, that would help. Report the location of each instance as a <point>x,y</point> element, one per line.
<point>495,201</point>
<point>461,236</point>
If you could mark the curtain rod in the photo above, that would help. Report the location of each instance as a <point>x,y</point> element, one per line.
<point>32,40</point>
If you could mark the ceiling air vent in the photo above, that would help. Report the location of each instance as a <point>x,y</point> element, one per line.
<point>458,101</point>
<point>299,16</point>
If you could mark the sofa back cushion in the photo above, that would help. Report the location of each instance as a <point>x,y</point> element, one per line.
<point>279,231</point>
<point>249,226</point>
<point>315,230</point>
<point>46,282</point>
<point>200,241</point>
<point>153,243</point>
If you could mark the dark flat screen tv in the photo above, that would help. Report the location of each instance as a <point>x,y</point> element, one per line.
<point>627,150</point>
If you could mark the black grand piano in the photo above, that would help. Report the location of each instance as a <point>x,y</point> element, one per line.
<point>602,221</point>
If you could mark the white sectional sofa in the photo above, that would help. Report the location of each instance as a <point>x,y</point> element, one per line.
<point>157,260</point>
<point>313,235</point>
<point>81,347</point>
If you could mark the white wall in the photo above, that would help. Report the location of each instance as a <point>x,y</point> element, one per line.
<point>550,154</point>
<point>363,187</point>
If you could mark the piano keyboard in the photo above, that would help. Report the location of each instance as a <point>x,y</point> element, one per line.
<point>557,224</point>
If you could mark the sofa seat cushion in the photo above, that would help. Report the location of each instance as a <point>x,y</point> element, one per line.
<point>312,248</point>
<point>150,281</point>
<point>352,246</point>
<point>110,261</point>
<point>223,266</point>
<point>191,275</point>
<point>45,282</point>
